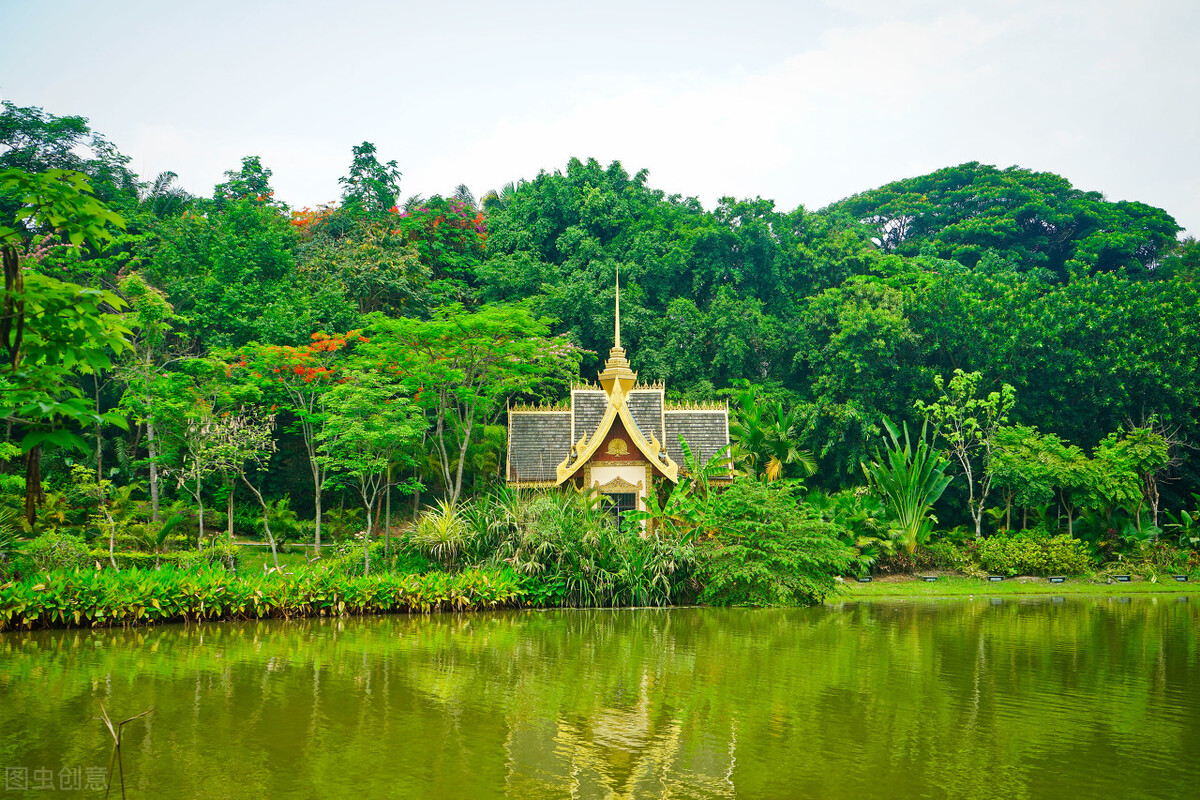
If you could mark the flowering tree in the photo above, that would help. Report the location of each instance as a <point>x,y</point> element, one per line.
<point>298,379</point>
<point>198,408</point>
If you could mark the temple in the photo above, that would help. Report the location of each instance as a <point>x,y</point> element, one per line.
<point>617,436</point>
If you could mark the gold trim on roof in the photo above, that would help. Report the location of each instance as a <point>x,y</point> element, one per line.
<point>695,407</point>
<point>544,408</point>
<point>653,450</point>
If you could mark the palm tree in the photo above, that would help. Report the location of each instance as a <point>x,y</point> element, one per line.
<point>165,197</point>
<point>765,437</point>
<point>495,200</point>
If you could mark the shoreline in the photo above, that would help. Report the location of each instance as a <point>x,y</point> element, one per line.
<point>956,586</point>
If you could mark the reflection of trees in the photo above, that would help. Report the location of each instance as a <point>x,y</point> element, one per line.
<point>952,698</point>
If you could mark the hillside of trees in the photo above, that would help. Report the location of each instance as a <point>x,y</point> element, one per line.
<point>839,317</point>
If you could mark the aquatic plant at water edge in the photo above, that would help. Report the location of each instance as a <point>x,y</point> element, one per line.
<point>98,598</point>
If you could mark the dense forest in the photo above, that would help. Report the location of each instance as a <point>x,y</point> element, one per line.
<point>197,348</point>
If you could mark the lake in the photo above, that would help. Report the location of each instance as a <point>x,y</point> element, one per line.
<point>983,698</point>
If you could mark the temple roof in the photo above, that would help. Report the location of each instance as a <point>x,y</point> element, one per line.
<point>549,445</point>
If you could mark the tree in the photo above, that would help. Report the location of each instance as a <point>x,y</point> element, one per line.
<point>969,424</point>
<point>371,187</point>
<point>35,142</point>
<point>153,318</point>
<point>768,550</point>
<point>297,379</point>
<point>765,437</point>
<point>202,426</point>
<point>1023,467</point>
<point>231,274</point>
<point>1036,219</point>
<point>369,427</point>
<point>1147,450</point>
<point>51,330</point>
<point>910,478</point>
<point>243,443</point>
<point>466,365</point>
<point>251,182</point>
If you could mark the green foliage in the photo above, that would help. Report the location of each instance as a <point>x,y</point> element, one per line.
<point>132,597</point>
<point>975,271</point>
<point>909,477</point>
<point>1032,554</point>
<point>55,550</point>
<point>575,556</point>
<point>765,438</point>
<point>768,550</point>
<point>252,182</point>
<point>969,423</point>
<point>1186,525</point>
<point>464,366</point>
<point>861,520</point>
<point>371,187</point>
<point>284,523</point>
<point>443,533</point>
<point>1035,218</point>
<point>36,143</point>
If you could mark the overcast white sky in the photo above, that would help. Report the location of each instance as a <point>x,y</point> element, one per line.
<point>802,102</point>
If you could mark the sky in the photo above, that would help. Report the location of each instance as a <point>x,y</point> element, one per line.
<point>801,102</point>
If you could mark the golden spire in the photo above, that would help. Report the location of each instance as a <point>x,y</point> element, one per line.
<point>616,368</point>
<point>617,343</point>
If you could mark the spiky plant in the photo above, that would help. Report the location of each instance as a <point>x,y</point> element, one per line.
<point>909,475</point>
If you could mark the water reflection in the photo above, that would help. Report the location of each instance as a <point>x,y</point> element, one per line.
<point>906,699</point>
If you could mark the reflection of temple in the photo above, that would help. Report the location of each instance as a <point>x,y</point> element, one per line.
<point>637,750</point>
<point>619,437</point>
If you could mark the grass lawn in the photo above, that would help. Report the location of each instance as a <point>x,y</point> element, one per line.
<point>959,586</point>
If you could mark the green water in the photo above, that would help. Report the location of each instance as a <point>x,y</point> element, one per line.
<point>1027,698</point>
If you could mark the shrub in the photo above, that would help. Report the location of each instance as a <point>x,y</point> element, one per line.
<point>55,550</point>
<point>944,554</point>
<point>216,557</point>
<point>1025,554</point>
<point>572,554</point>
<point>768,551</point>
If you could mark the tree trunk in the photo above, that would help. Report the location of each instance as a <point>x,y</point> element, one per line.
<point>34,496</point>
<point>200,511</point>
<point>229,520</point>
<point>317,504</point>
<point>112,535</point>
<point>387,523</point>
<point>266,521</point>
<point>462,458</point>
<point>367,538</point>
<point>99,429</point>
<point>152,452</point>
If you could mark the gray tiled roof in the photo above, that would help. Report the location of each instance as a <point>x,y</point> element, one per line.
<point>706,432</point>
<point>588,406</point>
<point>646,407</point>
<point>537,443</point>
